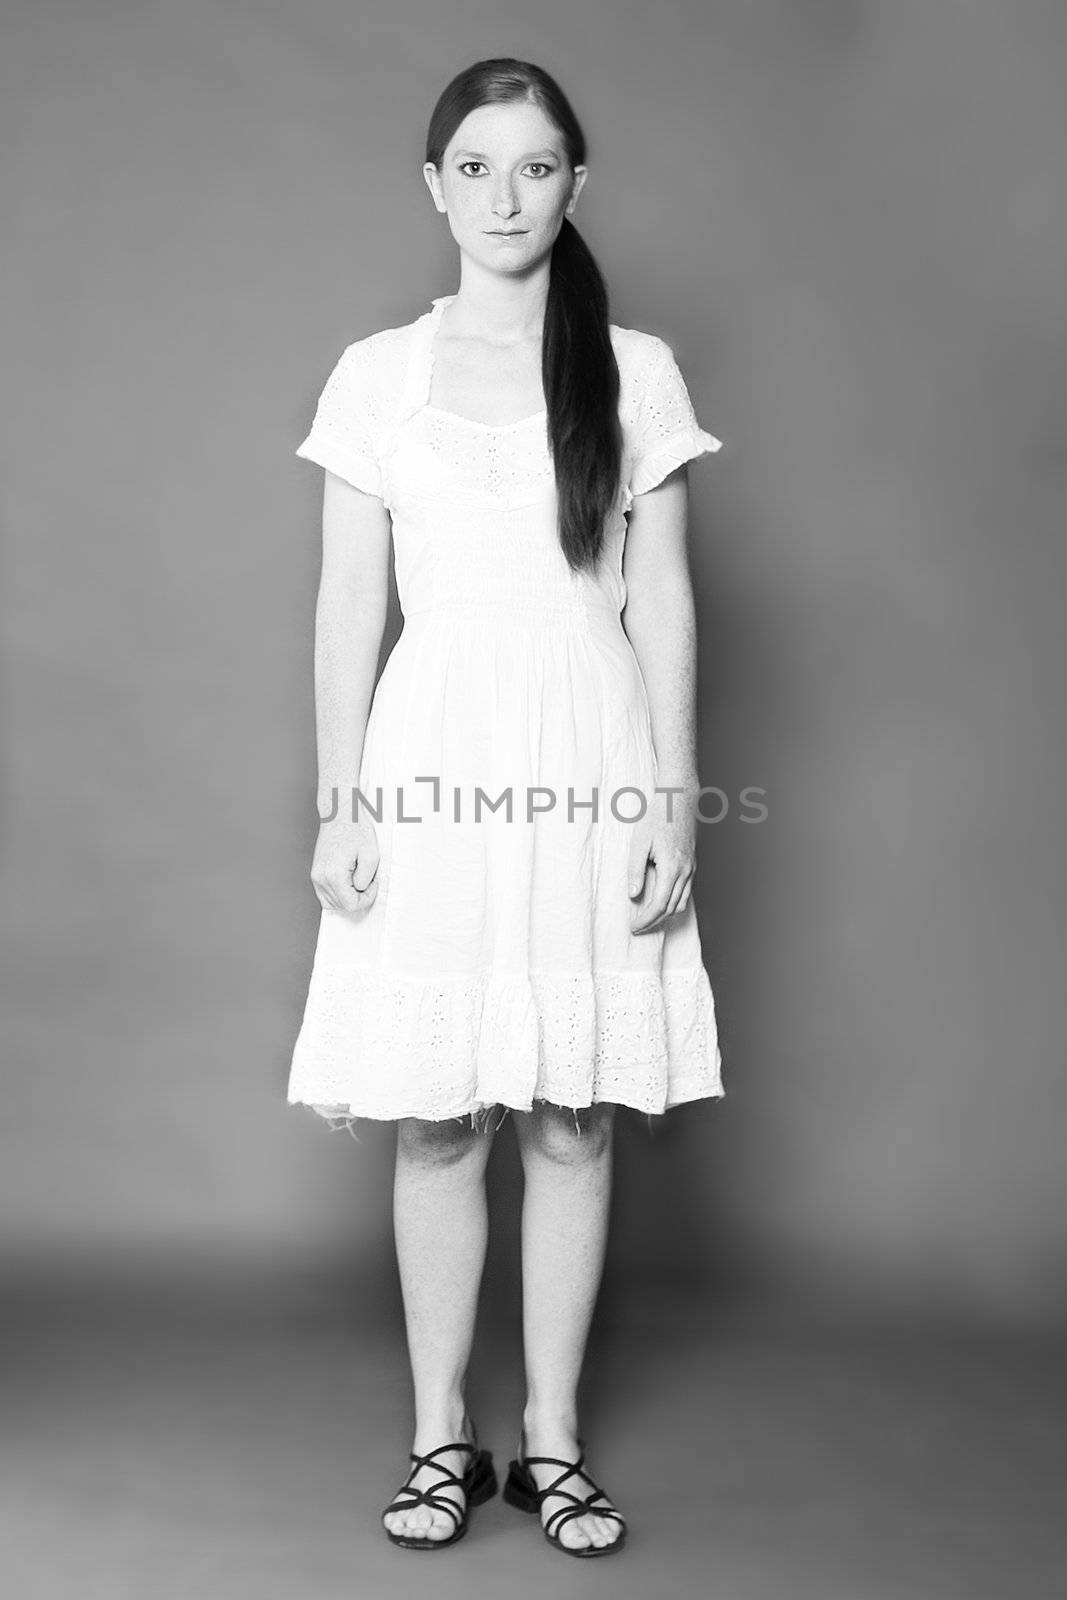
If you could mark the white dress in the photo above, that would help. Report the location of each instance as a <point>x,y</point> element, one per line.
<point>496,965</point>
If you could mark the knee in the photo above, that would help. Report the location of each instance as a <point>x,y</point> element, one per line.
<point>566,1136</point>
<point>438,1144</point>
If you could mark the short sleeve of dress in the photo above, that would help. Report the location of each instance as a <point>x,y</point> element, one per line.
<point>344,432</point>
<point>666,431</point>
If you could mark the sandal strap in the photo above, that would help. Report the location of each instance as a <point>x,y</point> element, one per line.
<point>427,1497</point>
<point>554,1461</point>
<point>431,1495</point>
<point>570,1469</point>
<point>460,1444</point>
<point>559,1518</point>
<point>579,1506</point>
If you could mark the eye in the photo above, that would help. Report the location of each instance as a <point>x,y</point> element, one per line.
<point>546,169</point>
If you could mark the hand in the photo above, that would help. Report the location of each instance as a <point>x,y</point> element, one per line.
<point>670,846</point>
<point>345,865</point>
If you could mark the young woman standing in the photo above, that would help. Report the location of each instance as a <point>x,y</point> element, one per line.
<point>541,960</point>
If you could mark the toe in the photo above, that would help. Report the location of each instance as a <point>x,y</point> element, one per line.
<point>405,1524</point>
<point>597,1532</point>
<point>591,1530</point>
<point>575,1534</point>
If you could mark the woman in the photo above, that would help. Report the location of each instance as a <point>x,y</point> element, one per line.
<point>542,959</point>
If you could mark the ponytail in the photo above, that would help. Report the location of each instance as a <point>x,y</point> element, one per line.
<point>581,382</point>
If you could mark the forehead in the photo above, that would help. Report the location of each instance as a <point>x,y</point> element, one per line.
<point>513,126</point>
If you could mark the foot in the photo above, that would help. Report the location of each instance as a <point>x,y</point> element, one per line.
<point>577,1532</point>
<point>429,1522</point>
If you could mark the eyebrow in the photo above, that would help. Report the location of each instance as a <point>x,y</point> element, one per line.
<point>477,154</point>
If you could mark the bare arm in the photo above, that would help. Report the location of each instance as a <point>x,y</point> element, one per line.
<point>350,619</point>
<point>660,622</point>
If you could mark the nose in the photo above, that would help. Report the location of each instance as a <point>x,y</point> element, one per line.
<point>504,203</point>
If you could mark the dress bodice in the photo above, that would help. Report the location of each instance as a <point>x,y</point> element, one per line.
<point>474,505</point>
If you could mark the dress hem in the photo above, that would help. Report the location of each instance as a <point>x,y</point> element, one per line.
<point>683,1092</point>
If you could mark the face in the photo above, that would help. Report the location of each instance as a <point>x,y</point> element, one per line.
<point>505,185</point>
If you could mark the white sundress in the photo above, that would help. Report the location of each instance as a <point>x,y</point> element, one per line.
<point>496,966</point>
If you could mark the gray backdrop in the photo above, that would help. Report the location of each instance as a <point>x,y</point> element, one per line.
<point>849,220</point>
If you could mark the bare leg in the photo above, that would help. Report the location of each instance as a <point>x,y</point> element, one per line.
<point>441,1227</point>
<point>564,1234</point>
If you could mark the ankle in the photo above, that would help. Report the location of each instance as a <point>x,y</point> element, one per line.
<point>441,1424</point>
<point>547,1427</point>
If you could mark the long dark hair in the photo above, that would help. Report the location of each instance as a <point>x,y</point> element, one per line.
<point>578,367</point>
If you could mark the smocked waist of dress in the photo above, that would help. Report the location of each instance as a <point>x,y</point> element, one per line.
<point>513,609</point>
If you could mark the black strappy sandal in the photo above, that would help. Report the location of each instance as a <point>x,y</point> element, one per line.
<point>521,1491</point>
<point>479,1483</point>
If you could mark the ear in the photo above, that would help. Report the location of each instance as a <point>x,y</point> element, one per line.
<point>433,183</point>
<point>580,175</point>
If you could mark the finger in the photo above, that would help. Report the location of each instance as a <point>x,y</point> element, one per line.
<point>663,904</point>
<point>651,914</point>
<point>651,925</point>
<point>362,878</point>
<point>674,903</point>
<point>638,870</point>
<point>358,899</point>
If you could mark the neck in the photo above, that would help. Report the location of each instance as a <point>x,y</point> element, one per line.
<point>500,310</point>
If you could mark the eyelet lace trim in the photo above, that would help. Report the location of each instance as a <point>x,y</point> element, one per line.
<point>662,422</point>
<point>382,381</point>
<point>455,1047</point>
<point>505,466</point>
<point>354,410</point>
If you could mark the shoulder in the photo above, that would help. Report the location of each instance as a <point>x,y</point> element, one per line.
<point>369,379</point>
<point>645,362</point>
<point>635,341</point>
<point>640,355</point>
<point>378,358</point>
<point>636,350</point>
